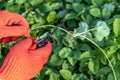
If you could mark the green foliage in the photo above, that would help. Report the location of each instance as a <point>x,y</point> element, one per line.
<point>86,46</point>
<point>93,65</point>
<point>20,1</point>
<point>95,12</point>
<point>106,13</point>
<point>52,16</point>
<point>102,30</point>
<point>109,6</point>
<point>71,1</point>
<point>116,27</point>
<point>79,77</point>
<point>78,8</point>
<point>70,15</point>
<point>66,74</point>
<point>65,52</point>
<point>97,3</point>
<point>56,5</point>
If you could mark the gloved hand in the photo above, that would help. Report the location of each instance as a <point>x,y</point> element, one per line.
<point>12,26</point>
<point>23,63</point>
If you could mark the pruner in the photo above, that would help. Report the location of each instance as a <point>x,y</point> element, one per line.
<point>42,42</point>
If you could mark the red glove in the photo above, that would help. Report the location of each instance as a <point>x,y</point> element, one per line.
<point>22,63</point>
<point>12,26</point>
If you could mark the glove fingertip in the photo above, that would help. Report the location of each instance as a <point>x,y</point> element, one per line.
<point>25,44</point>
<point>44,51</point>
<point>29,42</point>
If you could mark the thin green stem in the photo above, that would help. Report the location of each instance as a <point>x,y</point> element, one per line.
<point>79,34</point>
<point>88,30</point>
<point>43,26</point>
<point>114,74</point>
<point>51,26</point>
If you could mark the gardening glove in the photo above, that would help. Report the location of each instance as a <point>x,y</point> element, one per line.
<point>22,62</point>
<point>12,26</point>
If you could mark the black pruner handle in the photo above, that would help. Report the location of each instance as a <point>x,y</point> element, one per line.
<point>42,42</point>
